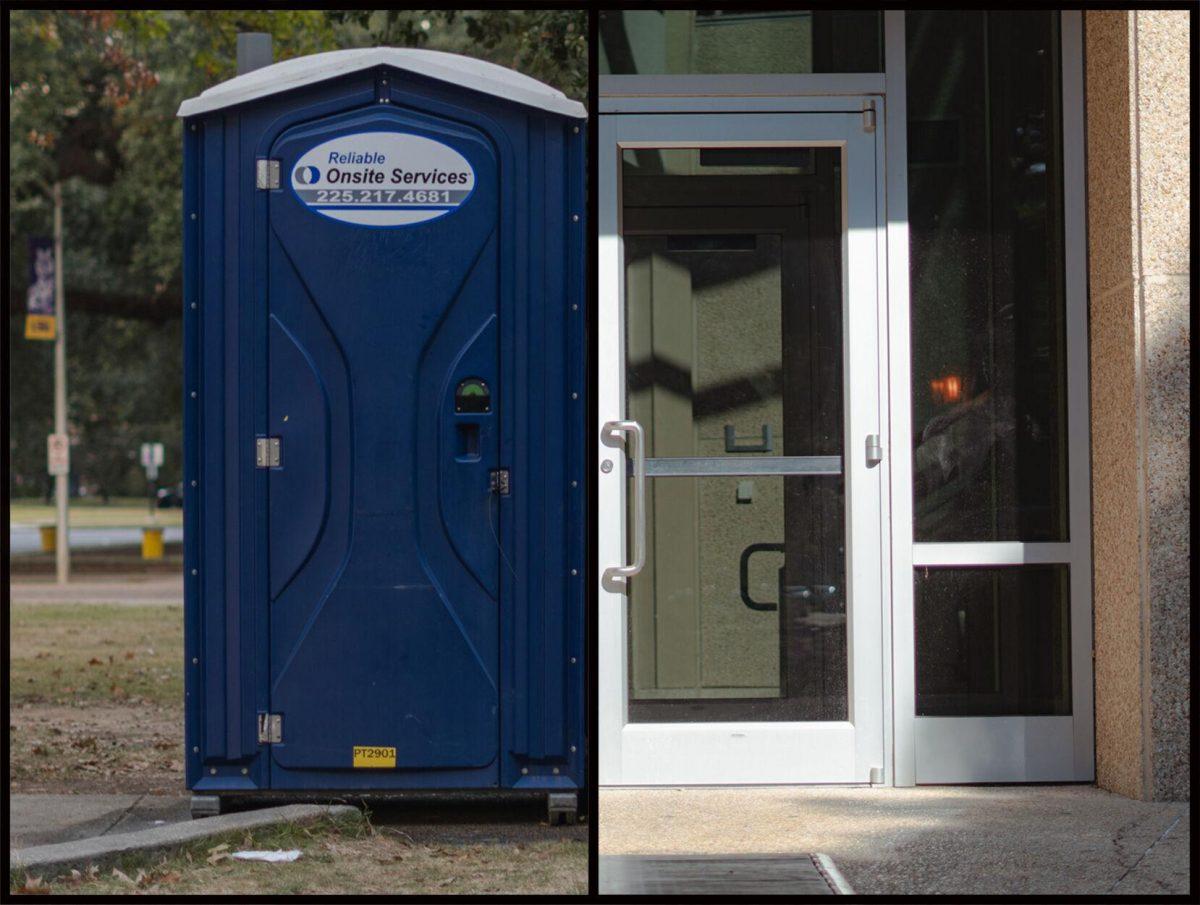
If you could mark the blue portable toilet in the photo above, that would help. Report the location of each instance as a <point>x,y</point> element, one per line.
<point>384,287</point>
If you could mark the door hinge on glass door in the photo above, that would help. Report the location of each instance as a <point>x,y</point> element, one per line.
<point>868,116</point>
<point>874,450</point>
<point>270,728</point>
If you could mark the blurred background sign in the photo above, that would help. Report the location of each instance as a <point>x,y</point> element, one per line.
<point>152,457</point>
<point>39,305</point>
<point>58,454</point>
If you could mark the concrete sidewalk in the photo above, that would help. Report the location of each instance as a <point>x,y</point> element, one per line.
<point>131,590</point>
<point>46,819</point>
<point>110,846</point>
<point>963,840</point>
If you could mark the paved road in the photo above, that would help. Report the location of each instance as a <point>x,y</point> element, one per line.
<point>26,538</point>
<point>932,840</point>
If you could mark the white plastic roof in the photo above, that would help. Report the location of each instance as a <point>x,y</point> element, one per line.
<point>478,75</point>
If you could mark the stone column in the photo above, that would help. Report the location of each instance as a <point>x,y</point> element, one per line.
<point>1139,159</point>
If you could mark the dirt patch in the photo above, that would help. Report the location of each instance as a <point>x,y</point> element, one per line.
<point>103,561</point>
<point>96,699</point>
<point>103,749</point>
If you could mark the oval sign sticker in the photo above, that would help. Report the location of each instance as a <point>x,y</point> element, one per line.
<point>382,179</point>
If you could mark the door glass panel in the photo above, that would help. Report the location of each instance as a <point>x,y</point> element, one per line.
<point>734,349</point>
<point>986,232</point>
<point>993,642</point>
<point>723,41</point>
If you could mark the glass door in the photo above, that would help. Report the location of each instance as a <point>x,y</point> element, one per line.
<point>740,490</point>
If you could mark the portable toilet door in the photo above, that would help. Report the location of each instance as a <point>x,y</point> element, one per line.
<point>385,427</point>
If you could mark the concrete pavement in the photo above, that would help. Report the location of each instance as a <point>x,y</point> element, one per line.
<point>44,819</point>
<point>957,840</point>
<point>78,853</point>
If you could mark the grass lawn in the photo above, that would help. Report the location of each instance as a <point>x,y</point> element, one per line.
<point>96,698</point>
<point>120,512</point>
<point>345,855</point>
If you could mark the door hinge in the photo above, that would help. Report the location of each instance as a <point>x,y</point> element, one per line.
<point>500,481</point>
<point>266,452</point>
<point>270,728</point>
<point>266,174</point>
<point>874,450</point>
<point>868,116</point>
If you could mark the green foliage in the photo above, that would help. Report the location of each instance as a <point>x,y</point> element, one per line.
<point>548,44</point>
<point>93,95</point>
<point>125,388</point>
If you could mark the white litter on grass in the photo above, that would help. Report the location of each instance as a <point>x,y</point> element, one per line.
<point>277,855</point>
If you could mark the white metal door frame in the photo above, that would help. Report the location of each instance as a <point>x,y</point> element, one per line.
<point>755,752</point>
<point>1002,748</point>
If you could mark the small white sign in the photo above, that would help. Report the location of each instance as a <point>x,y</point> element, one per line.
<point>152,455</point>
<point>382,179</point>
<point>58,454</point>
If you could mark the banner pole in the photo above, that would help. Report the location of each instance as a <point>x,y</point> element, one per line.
<point>62,553</point>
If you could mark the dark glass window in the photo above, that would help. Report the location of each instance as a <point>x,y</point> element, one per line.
<point>734,336</point>
<point>730,41</point>
<point>993,641</point>
<point>987,286</point>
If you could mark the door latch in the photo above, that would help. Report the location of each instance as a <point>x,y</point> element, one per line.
<point>499,481</point>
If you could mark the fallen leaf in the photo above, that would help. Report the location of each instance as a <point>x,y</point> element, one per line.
<point>220,848</point>
<point>128,655</point>
<point>34,886</point>
<point>217,857</point>
<point>95,661</point>
<point>123,877</point>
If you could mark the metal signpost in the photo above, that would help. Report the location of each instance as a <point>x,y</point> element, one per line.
<point>62,486</point>
<point>45,320</point>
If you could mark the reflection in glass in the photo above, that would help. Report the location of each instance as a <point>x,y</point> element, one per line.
<point>734,349</point>
<point>993,641</point>
<point>725,41</point>
<point>985,227</point>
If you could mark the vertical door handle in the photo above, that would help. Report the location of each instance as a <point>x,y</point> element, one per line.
<point>614,433</point>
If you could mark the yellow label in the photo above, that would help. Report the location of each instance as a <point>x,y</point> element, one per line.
<point>39,326</point>
<point>365,756</point>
